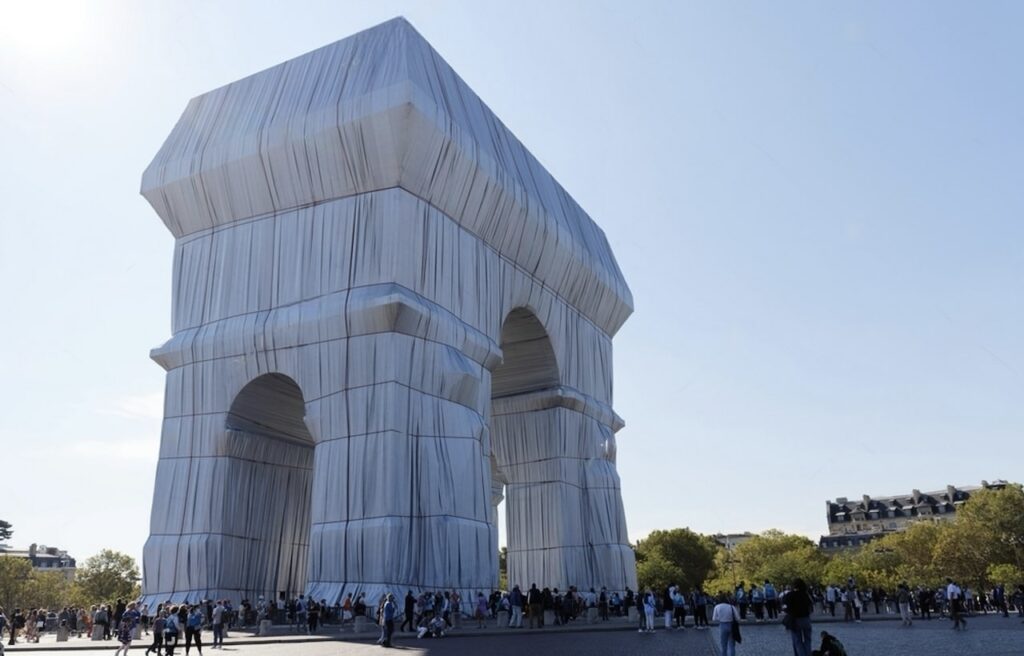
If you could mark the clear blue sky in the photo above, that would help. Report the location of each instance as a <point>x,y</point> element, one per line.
<point>818,207</point>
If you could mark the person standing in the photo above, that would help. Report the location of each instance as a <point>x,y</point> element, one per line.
<point>797,605</point>
<point>388,615</point>
<point>668,605</point>
<point>757,601</point>
<point>726,615</point>
<point>771,599</point>
<point>515,600</point>
<point>955,600</point>
<point>679,606</point>
<point>536,605</point>
<point>217,622</point>
<point>650,604</point>
<point>742,600</point>
<point>100,619</point>
<point>172,630</point>
<point>301,615</point>
<point>924,602</point>
<point>17,623</point>
<point>704,600</point>
<point>119,609</point>
<point>314,616</point>
<point>194,630</point>
<point>903,600</point>
<point>481,610</point>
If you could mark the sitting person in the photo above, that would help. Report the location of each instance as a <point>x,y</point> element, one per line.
<point>433,628</point>
<point>830,646</point>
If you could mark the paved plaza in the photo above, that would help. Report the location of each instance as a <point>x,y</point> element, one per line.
<point>992,636</point>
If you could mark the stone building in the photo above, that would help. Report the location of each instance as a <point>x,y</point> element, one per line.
<point>732,540</point>
<point>854,523</point>
<point>43,558</point>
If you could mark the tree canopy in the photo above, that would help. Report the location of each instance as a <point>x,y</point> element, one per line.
<point>106,577</point>
<point>981,546</point>
<point>678,556</point>
<point>6,530</point>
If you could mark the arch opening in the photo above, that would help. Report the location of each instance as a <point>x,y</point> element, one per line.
<point>271,406</point>
<point>528,366</point>
<point>528,363</point>
<point>271,460</point>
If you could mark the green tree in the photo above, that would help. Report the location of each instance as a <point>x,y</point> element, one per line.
<point>914,552</point>
<point>105,577</point>
<point>678,556</point>
<point>46,590</point>
<point>1005,574</point>
<point>6,530</point>
<point>14,576</point>
<point>503,568</point>
<point>656,573</point>
<point>772,555</point>
<point>963,554</point>
<point>995,519</point>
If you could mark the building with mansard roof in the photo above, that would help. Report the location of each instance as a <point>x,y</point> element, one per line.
<point>854,523</point>
<point>43,558</point>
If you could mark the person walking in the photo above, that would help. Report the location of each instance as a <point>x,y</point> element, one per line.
<point>124,635</point>
<point>727,617</point>
<point>409,614</point>
<point>159,624</point>
<point>797,605</point>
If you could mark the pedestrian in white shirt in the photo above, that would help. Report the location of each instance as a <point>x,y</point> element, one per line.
<point>955,599</point>
<point>726,615</point>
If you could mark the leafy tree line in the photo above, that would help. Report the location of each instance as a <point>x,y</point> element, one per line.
<point>105,577</point>
<point>982,546</point>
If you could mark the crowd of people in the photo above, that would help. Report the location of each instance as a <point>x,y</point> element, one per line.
<point>430,614</point>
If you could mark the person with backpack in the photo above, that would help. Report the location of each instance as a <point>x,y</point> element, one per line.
<point>194,630</point>
<point>102,618</point>
<point>159,624</point>
<point>172,630</point>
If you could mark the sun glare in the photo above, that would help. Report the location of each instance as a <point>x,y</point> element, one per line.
<point>41,30</point>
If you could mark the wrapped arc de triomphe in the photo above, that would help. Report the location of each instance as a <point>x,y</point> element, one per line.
<point>387,315</point>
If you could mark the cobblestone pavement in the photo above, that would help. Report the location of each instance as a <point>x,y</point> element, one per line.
<point>992,636</point>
